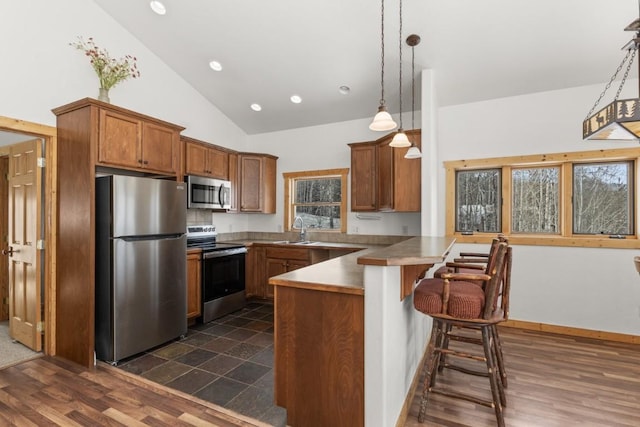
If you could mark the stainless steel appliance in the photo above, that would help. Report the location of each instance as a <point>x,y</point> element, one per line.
<point>208,193</point>
<point>223,272</point>
<point>140,265</point>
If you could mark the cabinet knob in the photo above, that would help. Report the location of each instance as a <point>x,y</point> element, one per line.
<point>140,161</point>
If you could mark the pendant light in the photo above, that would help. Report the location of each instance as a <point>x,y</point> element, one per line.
<point>620,120</point>
<point>413,152</point>
<point>382,120</point>
<point>400,139</point>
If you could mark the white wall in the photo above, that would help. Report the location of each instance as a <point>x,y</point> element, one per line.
<point>589,288</point>
<point>41,71</point>
<point>325,147</point>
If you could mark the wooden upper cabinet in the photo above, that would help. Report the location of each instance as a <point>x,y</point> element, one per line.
<point>363,177</point>
<point>119,141</point>
<point>257,186</point>
<point>134,142</point>
<point>382,179</point>
<point>204,159</point>
<point>160,148</point>
<point>235,179</point>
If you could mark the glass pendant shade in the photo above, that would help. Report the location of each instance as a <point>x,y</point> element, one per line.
<point>400,140</point>
<point>413,153</point>
<point>382,120</point>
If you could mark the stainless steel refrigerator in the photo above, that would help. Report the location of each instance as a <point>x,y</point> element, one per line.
<point>141,279</point>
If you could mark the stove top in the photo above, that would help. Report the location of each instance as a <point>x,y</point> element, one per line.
<point>204,237</point>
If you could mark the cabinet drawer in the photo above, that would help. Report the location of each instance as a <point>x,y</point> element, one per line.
<point>288,253</point>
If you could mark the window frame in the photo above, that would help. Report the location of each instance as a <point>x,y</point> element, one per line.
<point>289,181</point>
<point>563,160</point>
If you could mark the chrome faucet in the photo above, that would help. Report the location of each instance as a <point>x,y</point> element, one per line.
<point>303,233</point>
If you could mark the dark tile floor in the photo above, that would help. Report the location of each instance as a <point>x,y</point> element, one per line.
<point>228,361</point>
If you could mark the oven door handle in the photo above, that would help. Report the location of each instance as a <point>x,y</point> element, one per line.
<point>223,253</point>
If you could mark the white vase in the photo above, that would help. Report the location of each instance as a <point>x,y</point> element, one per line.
<point>103,95</point>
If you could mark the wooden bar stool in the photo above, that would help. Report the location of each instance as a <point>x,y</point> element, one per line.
<point>455,301</point>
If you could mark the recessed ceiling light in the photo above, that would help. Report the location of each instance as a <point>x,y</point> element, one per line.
<point>215,65</point>
<point>296,99</point>
<point>158,7</point>
<point>256,107</point>
<point>344,90</point>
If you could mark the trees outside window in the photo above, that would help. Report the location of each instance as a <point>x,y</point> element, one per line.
<point>585,198</point>
<point>535,200</point>
<point>602,198</point>
<point>318,197</point>
<point>478,200</point>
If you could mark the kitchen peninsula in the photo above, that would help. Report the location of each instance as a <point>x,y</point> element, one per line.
<point>347,322</point>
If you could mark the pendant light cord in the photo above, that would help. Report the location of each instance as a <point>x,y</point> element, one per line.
<point>400,39</point>
<point>413,86</point>
<point>382,53</point>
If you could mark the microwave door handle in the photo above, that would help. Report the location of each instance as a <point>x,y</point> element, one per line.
<point>221,195</point>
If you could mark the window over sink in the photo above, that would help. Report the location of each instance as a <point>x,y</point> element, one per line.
<point>318,197</point>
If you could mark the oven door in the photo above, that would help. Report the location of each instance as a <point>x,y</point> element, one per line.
<point>222,273</point>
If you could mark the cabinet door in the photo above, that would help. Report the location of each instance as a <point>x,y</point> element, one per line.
<point>119,140</point>
<point>193,286</point>
<point>159,148</point>
<point>294,264</point>
<point>363,177</point>
<point>196,159</point>
<point>274,267</point>
<point>250,184</point>
<point>269,185</point>
<point>407,178</point>
<point>385,158</point>
<point>218,163</point>
<point>253,276</point>
<point>233,177</point>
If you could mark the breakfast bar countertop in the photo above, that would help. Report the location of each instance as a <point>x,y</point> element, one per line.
<point>346,273</point>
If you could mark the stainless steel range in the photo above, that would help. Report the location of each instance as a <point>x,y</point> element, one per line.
<point>223,272</point>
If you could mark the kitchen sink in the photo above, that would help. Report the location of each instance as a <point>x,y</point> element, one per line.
<point>288,242</point>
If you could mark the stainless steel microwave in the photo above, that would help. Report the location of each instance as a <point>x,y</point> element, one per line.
<point>208,193</point>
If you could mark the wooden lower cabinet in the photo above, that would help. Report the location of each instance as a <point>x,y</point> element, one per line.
<point>194,297</point>
<point>319,357</point>
<point>264,262</point>
<point>280,260</point>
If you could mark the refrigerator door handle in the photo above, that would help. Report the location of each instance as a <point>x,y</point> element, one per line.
<point>151,237</point>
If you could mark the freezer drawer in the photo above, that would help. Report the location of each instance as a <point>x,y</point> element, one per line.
<point>143,304</point>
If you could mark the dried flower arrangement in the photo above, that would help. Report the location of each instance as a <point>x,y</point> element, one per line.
<point>109,70</point>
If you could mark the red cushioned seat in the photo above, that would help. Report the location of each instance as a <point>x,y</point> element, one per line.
<point>466,299</point>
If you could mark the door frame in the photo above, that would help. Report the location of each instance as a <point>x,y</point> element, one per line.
<point>49,134</point>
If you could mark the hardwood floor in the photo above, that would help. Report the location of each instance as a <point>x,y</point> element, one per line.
<point>50,391</point>
<point>553,381</point>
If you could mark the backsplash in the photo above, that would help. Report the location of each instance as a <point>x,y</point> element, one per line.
<point>315,237</point>
<point>199,216</point>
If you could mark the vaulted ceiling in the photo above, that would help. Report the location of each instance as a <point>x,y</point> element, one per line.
<point>272,49</point>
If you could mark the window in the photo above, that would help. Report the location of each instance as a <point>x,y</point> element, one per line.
<point>478,200</point>
<point>318,197</point>
<point>602,198</point>
<point>535,200</point>
<point>566,199</point>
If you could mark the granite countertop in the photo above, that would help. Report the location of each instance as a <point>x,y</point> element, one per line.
<point>415,251</point>
<point>345,274</point>
<point>342,274</point>
<point>313,245</point>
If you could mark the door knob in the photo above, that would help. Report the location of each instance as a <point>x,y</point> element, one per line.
<point>8,251</point>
